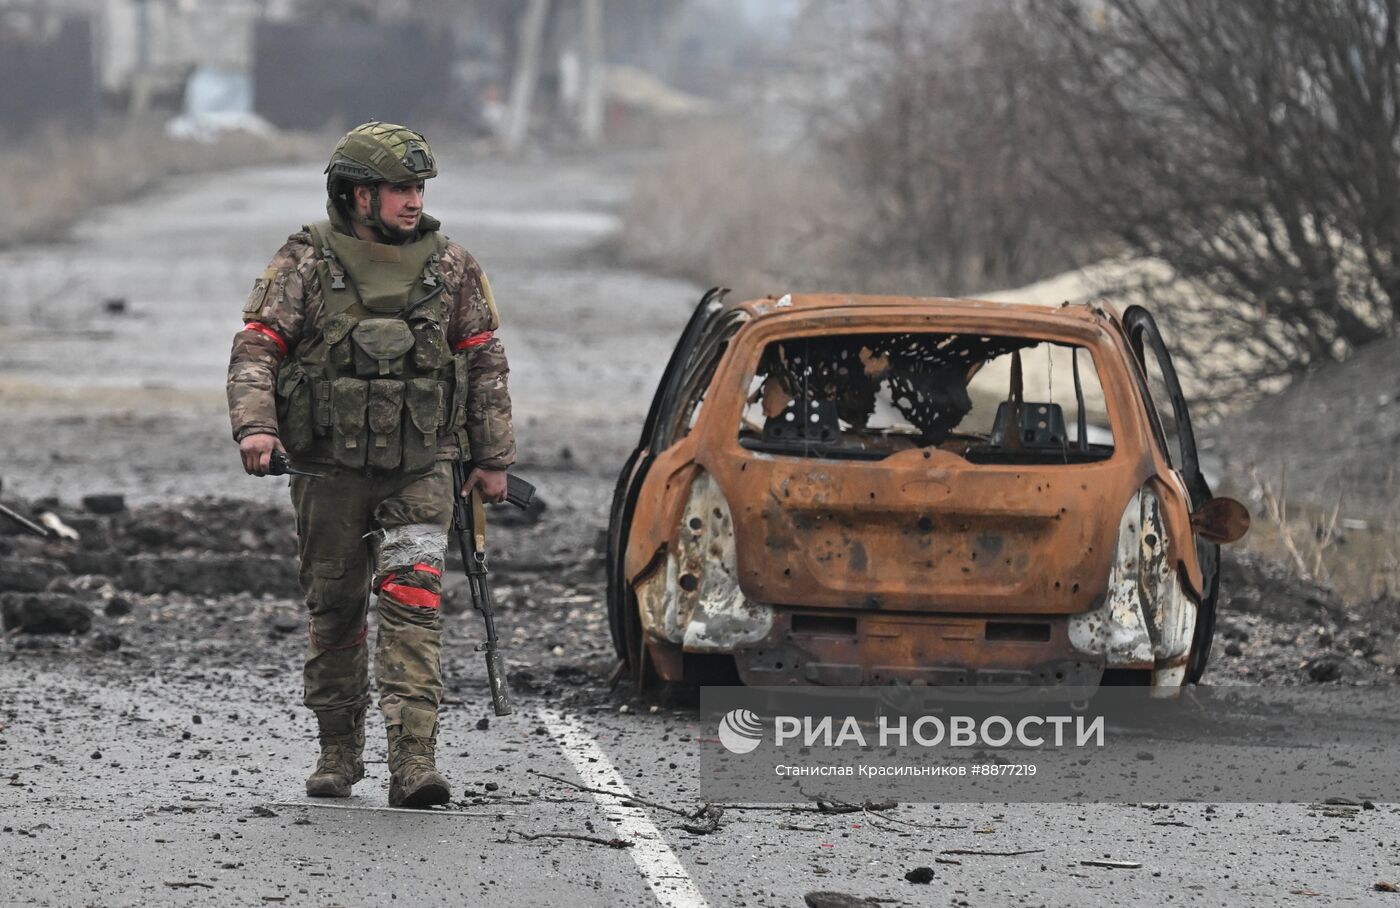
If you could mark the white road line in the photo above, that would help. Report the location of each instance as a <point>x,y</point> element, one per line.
<point>662,870</point>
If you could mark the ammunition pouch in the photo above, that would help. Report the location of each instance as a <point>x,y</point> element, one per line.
<point>381,346</point>
<point>321,407</point>
<point>295,418</point>
<point>340,354</point>
<point>423,406</point>
<point>349,427</point>
<point>385,424</point>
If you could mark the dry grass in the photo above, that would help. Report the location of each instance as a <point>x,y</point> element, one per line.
<point>1358,559</point>
<point>48,183</point>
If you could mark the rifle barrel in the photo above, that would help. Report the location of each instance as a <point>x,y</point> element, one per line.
<point>25,522</point>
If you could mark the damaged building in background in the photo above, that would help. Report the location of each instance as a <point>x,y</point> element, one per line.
<point>48,65</point>
<point>844,490</point>
<point>553,70</point>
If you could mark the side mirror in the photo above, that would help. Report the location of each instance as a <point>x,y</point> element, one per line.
<point>1221,521</point>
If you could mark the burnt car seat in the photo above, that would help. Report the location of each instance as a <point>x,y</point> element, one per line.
<point>1041,425</point>
<point>804,420</point>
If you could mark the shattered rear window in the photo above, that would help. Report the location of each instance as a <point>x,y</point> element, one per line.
<point>989,399</point>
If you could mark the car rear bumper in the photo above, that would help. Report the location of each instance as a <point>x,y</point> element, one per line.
<point>817,647</point>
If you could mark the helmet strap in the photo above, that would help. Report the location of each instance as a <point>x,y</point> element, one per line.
<point>374,221</point>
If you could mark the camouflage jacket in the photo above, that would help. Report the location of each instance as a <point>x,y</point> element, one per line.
<point>286,306</point>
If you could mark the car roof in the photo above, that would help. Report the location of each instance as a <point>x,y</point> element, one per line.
<point>842,305</point>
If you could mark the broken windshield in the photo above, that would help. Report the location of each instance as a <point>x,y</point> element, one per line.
<point>989,399</point>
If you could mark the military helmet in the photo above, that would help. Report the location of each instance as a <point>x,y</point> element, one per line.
<point>380,152</point>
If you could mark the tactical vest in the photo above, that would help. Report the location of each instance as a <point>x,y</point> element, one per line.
<point>375,383</point>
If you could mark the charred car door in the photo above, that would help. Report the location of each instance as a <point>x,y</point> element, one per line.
<point>1149,348</point>
<point>687,374</point>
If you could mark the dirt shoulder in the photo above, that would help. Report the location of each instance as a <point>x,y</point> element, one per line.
<point>55,178</point>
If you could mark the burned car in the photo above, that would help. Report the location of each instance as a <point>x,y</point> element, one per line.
<point>847,490</point>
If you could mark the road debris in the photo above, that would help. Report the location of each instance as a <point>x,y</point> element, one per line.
<point>415,811</point>
<point>992,854</point>
<point>922,875</point>
<point>1323,668</point>
<point>44,613</point>
<point>57,527</point>
<point>700,821</point>
<point>1113,865</point>
<point>841,807</point>
<point>705,820</point>
<point>838,900</point>
<point>572,836</point>
<point>104,503</point>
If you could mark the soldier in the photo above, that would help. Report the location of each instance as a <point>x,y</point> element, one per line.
<point>368,354</point>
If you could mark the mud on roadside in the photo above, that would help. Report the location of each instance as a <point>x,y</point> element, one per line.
<point>143,581</point>
<point>137,581</point>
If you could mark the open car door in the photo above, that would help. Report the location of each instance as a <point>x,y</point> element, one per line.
<point>623,620</point>
<point>1148,346</point>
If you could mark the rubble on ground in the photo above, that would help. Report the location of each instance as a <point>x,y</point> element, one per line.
<point>230,568</point>
<point>223,574</point>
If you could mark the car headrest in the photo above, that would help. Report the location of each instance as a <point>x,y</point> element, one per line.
<point>1042,425</point>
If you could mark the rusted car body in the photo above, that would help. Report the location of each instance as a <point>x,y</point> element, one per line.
<point>768,529</point>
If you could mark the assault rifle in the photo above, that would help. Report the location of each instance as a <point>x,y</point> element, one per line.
<point>469,524</point>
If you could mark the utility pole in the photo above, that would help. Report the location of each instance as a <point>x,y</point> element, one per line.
<point>140,77</point>
<point>527,69</point>
<point>595,74</point>
<point>143,34</point>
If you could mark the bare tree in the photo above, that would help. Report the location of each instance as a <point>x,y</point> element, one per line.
<point>932,123</point>
<point>1251,145</point>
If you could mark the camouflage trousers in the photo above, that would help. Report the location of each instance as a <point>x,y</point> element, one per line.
<point>384,535</point>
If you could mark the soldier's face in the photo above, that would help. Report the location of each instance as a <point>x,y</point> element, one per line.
<point>400,205</point>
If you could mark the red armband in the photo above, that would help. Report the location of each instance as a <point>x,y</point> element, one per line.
<point>475,340</point>
<point>260,328</point>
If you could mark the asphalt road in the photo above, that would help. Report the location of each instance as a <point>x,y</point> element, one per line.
<point>170,772</point>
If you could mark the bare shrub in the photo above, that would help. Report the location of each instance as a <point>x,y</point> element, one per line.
<point>1254,147</point>
<point>936,126</point>
<point>914,175</point>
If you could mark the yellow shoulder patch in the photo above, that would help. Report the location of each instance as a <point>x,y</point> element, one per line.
<point>258,297</point>
<point>490,302</point>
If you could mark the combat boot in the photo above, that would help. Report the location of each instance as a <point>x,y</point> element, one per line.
<point>413,777</point>
<point>342,747</point>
